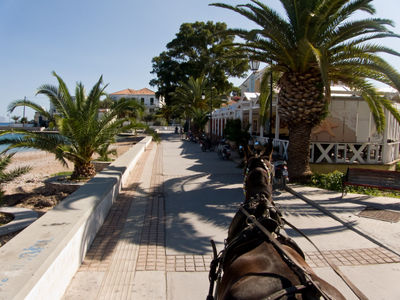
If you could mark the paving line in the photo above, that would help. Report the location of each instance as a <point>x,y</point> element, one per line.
<point>344,223</point>
<point>112,286</point>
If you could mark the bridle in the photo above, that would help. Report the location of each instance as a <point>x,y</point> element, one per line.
<point>259,163</point>
<point>270,236</point>
<point>272,216</point>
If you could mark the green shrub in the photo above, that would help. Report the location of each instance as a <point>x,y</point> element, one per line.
<point>333,181</point>
<point>330,181</point>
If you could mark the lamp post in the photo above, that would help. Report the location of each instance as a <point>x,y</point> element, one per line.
<point>254,65</point>
<point>270,105</point>
<point>210,109</point>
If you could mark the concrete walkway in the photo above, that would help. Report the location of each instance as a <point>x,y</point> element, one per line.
<point>155,241</point>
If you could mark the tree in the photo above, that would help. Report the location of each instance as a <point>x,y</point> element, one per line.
<point>235,133</point>
<point>134,111</point>
<point>82,132</point>
<point>15,118</point>
<point>318,43</point>
<point>41,110</point>
<point>198,49</point>
<point>24,120</point>
<point>188,96</point>
<point>200,119</point>
<point>7,176</point>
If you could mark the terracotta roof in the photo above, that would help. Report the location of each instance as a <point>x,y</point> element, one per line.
<point>144,91</point>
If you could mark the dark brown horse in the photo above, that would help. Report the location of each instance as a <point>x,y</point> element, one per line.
<point>259,261</point>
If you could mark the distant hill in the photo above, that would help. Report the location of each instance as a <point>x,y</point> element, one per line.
<point>3,119</point>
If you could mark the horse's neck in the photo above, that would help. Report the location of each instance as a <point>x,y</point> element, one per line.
<point>258,190</point>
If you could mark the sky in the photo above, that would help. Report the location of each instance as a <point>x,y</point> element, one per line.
<point>83,39</point>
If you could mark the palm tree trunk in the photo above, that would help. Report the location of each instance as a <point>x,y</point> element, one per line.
<point>83,170</point>
<point>299,152</point>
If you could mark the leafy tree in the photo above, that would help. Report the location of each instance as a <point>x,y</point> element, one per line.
<point>82,132</point>
<point>314,44</point>
<point>106,103</point>
<point>24,120</point>
<point>199,48</point>
<point>7,176</point>
<point>233,131</point>
<point>165,112</point>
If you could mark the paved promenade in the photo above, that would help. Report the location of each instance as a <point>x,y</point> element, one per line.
<point>155,241</point>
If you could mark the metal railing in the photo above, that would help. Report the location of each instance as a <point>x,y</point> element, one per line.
<point>347,153</point>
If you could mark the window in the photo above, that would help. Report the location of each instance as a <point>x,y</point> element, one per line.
<point>151,101</point>
<point>142,100</point>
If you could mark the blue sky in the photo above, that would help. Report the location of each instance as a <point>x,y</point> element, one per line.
<point>84,39</point>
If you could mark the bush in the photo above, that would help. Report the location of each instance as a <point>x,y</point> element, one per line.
<point>333,181</point>
<point>330,181</point>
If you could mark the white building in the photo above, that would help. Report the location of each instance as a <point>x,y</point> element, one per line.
<point>144,96</point>
<point>347,135</point>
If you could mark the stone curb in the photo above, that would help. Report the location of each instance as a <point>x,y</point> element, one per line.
<point>40,262</point>
<point>23,217</point>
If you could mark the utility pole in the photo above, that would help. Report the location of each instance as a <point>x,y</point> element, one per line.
<point>23,123</point>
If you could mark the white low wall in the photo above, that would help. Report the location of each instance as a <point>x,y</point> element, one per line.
<point>40,261</point>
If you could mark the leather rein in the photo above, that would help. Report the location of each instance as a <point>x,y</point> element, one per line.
<point>217,263</point>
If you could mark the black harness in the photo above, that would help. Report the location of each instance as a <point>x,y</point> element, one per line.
<point>265,227</point>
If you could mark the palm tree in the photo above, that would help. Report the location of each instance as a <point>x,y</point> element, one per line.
<point>82,132</point>
<point>189,96</point>
<point>200,119</point>
<point>6,176</point>
<point>316,43</point>
<point>15,118</point>
<point>40,109</point>
<point>133,111</point>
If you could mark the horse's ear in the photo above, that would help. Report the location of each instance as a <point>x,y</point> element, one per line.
<point>247,153</point>
<point>267,151</point>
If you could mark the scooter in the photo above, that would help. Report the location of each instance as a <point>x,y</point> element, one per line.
<point>281,177</point>
<point>205,144</point>
<point>224,150</point>
<point>241,151</point>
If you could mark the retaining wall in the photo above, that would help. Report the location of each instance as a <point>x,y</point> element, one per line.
<point>40,262</point>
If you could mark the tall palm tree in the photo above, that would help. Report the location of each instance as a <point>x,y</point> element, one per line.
<point>316,43</point>
<point>82,132</point>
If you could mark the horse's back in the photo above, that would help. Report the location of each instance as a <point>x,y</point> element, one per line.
<point>261,272</point>
<point>256,274</point>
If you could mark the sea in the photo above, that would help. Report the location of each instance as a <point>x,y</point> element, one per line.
<point>3,147</point>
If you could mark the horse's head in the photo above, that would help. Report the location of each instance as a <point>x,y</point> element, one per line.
<point>258,173</point>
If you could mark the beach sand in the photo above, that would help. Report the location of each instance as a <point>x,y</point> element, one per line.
<point>44,165</point>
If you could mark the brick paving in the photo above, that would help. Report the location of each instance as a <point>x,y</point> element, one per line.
<point>113,251</point>
<point>152,255</point>
<point>152,250</point>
